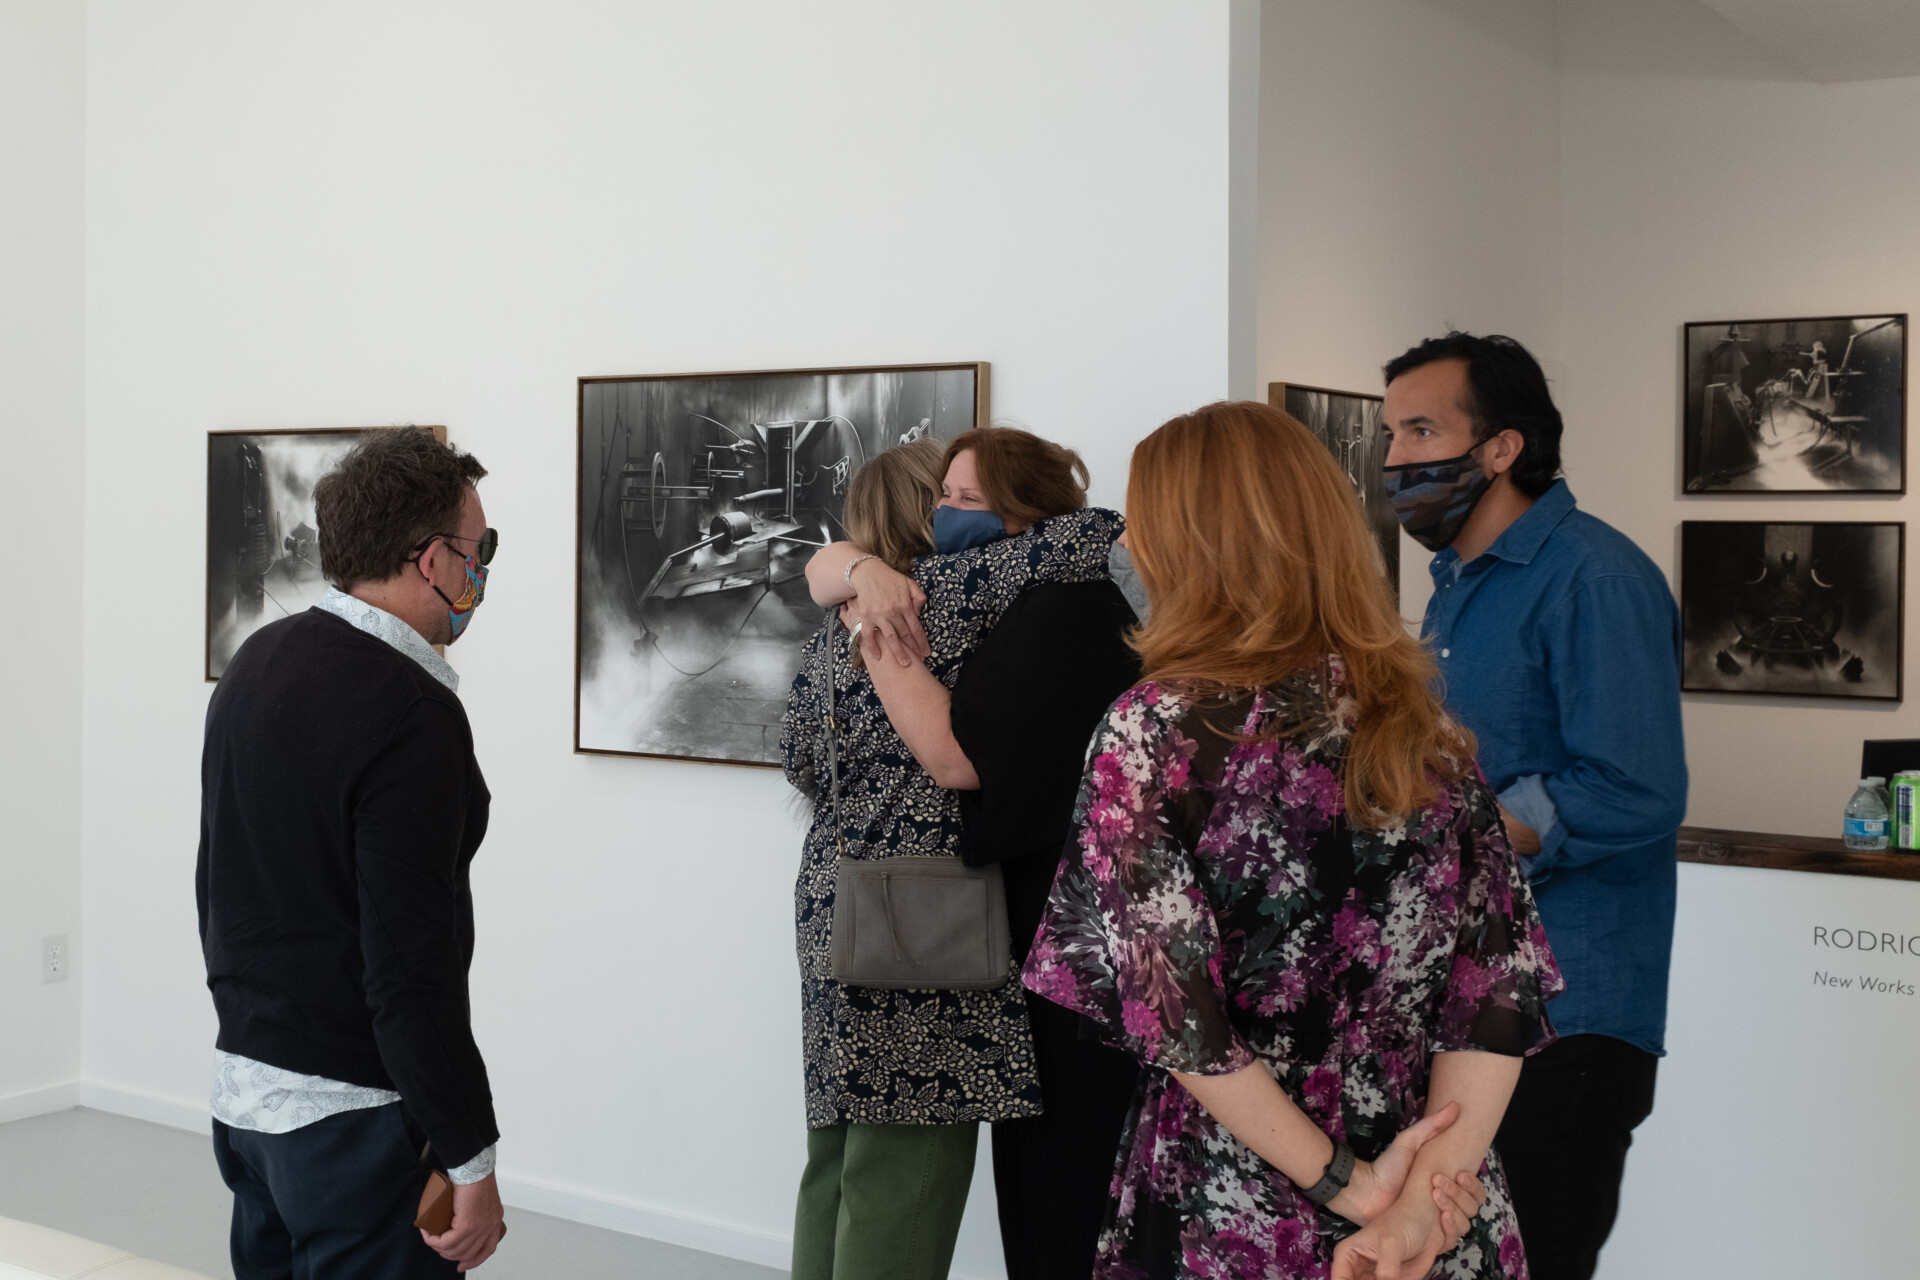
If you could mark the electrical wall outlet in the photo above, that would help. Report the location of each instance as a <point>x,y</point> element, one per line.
<point>54,958</point>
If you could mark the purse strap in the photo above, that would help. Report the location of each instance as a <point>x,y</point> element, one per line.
<point>833,737</point>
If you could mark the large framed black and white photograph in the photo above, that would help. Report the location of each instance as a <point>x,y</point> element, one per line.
<point>1805,610</point>
<point>702,496</point>
<point>1796,406</point>
<point>1348,423</point>
<point>263,553</point>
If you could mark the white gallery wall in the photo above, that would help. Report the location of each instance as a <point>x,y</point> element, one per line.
<point>42,527</point>
<point>368,213</point>
<point>1408,179</point>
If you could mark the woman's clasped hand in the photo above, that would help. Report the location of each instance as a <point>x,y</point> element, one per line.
<point>1378,1186</point>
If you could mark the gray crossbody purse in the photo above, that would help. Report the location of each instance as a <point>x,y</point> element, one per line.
<point>924,923</point>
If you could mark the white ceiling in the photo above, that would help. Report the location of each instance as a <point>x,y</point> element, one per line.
<point>1833,40</point>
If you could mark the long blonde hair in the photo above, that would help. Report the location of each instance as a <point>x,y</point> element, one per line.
<point>890,502</point>
<point>1259,564</point>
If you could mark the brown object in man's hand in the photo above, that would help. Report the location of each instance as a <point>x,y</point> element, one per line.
<point>436,1206</point>
<point>435,1216</point>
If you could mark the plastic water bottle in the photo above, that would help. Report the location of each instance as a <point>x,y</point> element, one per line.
<point>1866,817</point>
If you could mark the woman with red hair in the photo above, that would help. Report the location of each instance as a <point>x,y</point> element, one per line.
<point>1289,895</point>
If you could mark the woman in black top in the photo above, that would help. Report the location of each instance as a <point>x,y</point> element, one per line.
<point>1013,739</point>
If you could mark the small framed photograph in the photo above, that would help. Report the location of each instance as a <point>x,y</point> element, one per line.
<point>1348,423</point>
<point>1796,406</point>
<point>263,549</point>
<point>702,496</point>
<point>1802,610</point>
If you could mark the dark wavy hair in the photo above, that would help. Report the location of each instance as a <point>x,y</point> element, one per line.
<point>390,493</point>
<point>1506,391</point>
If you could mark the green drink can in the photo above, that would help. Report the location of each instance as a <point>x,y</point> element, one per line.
<point>1905,791</point>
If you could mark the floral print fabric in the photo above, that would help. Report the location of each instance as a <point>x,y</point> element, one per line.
<point>1216,910</point>
<point>875,1056</point>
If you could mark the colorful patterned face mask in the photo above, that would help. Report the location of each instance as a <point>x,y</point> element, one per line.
<point>1432,500</point>
<point>460,612</point>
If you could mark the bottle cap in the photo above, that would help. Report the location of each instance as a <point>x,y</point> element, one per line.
<point>1873,782</point>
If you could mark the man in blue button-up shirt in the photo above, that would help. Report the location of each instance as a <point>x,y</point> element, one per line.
<point>1560,646</point>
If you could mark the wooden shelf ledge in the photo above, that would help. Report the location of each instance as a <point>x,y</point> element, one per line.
<point>1793,853</point>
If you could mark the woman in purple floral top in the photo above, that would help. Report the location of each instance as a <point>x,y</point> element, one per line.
<point>1290,892</point>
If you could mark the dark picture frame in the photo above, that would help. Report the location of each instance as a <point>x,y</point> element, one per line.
<point>1348,423</point>
<point>1784,608</point>
<point>1815,404</point>
<point>263,558</point>
<point>700,498</point>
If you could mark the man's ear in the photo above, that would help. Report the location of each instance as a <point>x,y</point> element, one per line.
<point>424,562</point>
<point>1508,445</point>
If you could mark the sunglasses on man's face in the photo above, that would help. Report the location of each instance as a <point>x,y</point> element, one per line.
<point>489,542</point>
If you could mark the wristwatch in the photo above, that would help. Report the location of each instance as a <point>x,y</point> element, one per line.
<point>1332,1182</point>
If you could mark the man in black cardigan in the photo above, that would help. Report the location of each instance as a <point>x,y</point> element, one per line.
<point>341,806</point>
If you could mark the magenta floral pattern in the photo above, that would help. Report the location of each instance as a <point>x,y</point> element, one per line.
<point>1217,910</point>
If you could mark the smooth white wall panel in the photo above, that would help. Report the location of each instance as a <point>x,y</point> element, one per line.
<point>42,525</point>
<point>374,213</point>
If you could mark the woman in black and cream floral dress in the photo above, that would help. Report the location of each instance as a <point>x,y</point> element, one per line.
<point>897,1082</point>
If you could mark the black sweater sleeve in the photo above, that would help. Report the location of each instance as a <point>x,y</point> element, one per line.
<point>409,815</point>
<point>1024,709</point>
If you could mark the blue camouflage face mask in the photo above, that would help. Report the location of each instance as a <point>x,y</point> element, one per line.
<point>1432,500</point>
<point>959,529</point>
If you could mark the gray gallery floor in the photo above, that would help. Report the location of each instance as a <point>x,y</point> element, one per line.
<point>155,1191</point>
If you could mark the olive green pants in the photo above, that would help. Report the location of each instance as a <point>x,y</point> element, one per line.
<point>882,1201</point>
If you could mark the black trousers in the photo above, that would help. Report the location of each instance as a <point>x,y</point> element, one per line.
<point>1051,1173</point>
<point>332,1201</point>
<point>1564,1142</point>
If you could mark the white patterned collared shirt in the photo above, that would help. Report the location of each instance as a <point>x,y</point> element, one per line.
<point>268,1099</point>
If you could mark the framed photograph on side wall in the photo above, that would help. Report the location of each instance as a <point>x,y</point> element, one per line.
<point>1807,610</point>
<point>702,496</point>
<point>263,552</point>
<point>1796,406</point>
<point>1348,423</point>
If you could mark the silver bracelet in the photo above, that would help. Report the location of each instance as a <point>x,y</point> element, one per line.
<point>855,563</point>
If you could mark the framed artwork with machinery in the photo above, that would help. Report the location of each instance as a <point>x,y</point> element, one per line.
<point>701,498</point>
<point>1795,406</point>
<point>1348,423</point>
<point>263,551</point>
<point>1811,609</point>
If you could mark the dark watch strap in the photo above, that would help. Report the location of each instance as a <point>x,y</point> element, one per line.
<point>1334,1180</point>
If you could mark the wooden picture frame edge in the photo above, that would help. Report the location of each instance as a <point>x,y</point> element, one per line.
<point>982,417</point>
<point>1686,326</point>
<point>206,532</point>
<point>1277,393</point>
<point>1899,612</point>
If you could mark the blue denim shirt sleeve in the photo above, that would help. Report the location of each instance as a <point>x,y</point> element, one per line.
<point>1615,675</point>
<point>1527,800</point>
